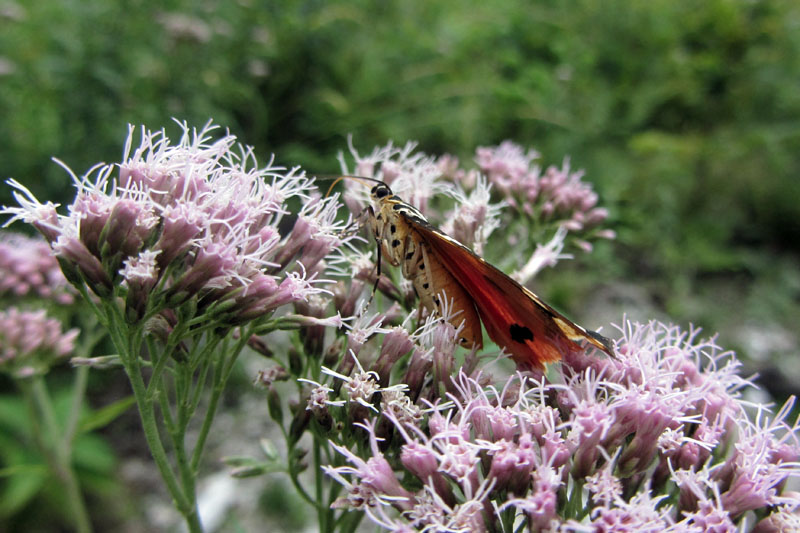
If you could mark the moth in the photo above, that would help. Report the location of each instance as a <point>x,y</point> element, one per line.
<point>440,267</point>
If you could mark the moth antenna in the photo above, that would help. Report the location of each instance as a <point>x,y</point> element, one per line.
<point>330,189</point>
<point>337,179</point>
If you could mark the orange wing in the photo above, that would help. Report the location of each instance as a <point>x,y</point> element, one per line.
<point>459,301</point>
<point>515,318</point>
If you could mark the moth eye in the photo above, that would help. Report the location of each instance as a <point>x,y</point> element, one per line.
<point>380,190</point>
<point>520,333</point>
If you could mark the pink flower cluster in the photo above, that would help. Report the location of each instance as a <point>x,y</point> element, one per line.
<point>196,220</point>
<point>657,440</point>
<point>30,342</point>
<point>28,268</point>
<point>555,193</point>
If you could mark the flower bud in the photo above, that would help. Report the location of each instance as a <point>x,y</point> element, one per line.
<point>299,425</point>
<point>396,343</point>
<point>274,405</point>
<point>75,252</point>
<point>260,346</point>
<point>128,226</point>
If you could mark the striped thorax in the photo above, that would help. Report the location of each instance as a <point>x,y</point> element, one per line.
<point>393,224</point>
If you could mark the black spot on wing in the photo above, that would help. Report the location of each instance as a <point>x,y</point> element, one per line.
<point>395,243</point>
<point>520,333</point>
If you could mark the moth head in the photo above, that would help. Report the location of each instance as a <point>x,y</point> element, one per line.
<point>379,191</point>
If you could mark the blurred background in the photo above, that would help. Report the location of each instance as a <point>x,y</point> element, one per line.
<point>685,116</point>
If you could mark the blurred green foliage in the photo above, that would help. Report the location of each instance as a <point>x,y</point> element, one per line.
<point>31,497</point>
<point>684,114</point>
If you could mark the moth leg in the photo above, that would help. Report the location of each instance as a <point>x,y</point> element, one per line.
<point>420,309</point>
<point>377,279</point>
<point>359,223</point>
<point>378,262</point>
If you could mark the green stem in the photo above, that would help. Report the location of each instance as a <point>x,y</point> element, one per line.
<point>90,336</point>
<point>575,500</point>
<point>59,454</point>
<point>186,506</point>
<point>187,471</point>
<point>220,379</point>
<point>160,360</point>
<point>166,414</point>
<point>293,473</point>
<point>89,299</point>
<point>150,427</point>
<point>78,393</point>
<point>322,513</point>
<point>351,521</point>
<point>321,444</point>
<point>129,342</point>
<point>216,392</point>
<point>202,377</point>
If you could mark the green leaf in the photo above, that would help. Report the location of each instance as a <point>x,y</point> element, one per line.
<point>19,490</point>
<point>243,467</point>
<point>106,415</point>
<point>22,469</point>
<point>93,455</point>
<point>24,479</point>
<point>14,415</point>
